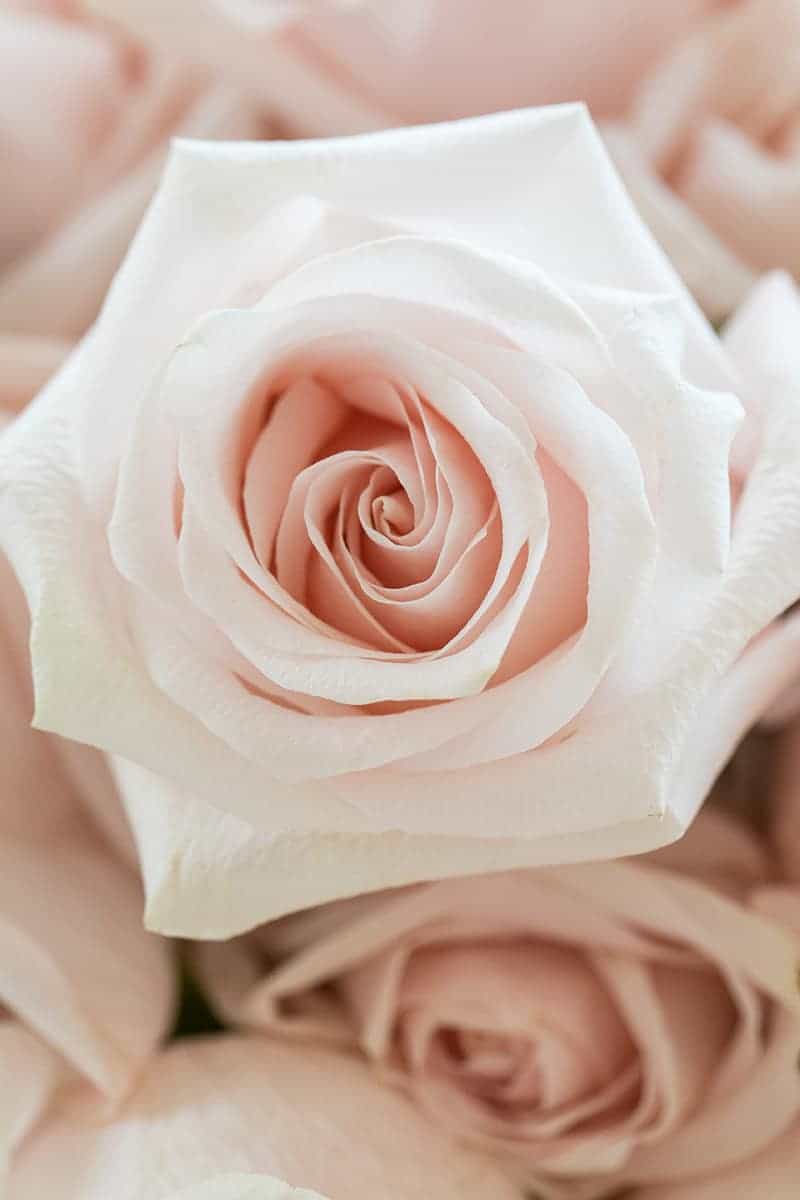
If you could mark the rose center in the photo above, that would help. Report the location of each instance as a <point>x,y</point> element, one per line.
<point>500,1068</point>
<point>393,514</point>
<point>371,510</point>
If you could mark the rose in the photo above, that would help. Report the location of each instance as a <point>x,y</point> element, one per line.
<point>85,119</point>
<point>599,1025</point>
<point>317,1120</point>
<point>83,990</point>
<point>519,636</point>
<point>331,68</point>
<point>720,121</point>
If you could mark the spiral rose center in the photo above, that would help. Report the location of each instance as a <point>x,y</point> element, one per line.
<point>371,510</point>
<point>496,1067</point>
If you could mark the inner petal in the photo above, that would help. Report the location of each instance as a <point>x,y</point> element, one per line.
<point>388,530</point>
<point>301,421</point>
<point>392,514</point>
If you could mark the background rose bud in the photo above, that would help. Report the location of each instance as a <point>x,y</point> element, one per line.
<point>598,1024</point>
<point>719,119</point>
<point>317,1120</point>
<point>424,539</point>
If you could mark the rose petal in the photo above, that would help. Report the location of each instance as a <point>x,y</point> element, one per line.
<point>229,1103</point>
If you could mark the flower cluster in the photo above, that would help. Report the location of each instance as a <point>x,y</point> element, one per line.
<point>400,573</point>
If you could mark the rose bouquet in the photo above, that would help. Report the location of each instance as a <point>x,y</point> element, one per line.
<point>400,576</point>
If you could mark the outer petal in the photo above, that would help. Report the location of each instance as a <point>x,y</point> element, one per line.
<point>63,86</point>
<point>747,195</point>
<point>312,1118</point>
<point>36,1071</point>
<point>240,36</point>
<point>774,1174</point>
<point>75,965</point>
<point>210,874</point>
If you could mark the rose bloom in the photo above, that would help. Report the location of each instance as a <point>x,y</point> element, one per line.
<point>390,524</point>
<point>705,94</point>
<point>715,159</point>
<point>596,1025</point>
<point>85,119</point>
<point>85,993</point>
<point>208,1112</point>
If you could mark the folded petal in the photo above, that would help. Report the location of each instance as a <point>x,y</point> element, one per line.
<point>773,1173</point>
<point>314,1119</point>
<point>76,966</point>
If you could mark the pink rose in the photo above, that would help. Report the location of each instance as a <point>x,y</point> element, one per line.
<point>85,120</point>
<point>596,1025</point>
<point>720,121</point>
<point>390,524</point>
<point>84,991</point>
<point>208,1108</point>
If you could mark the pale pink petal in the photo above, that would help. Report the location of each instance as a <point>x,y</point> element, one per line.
<point>773,1173</point>
<point>715,275</point>
<point>36,1072</point>
<point>76,966</point>
<point>63,87</point>
<point>311,1118</point>
<point>253,56</point>
<point>739,65</point>
<point>748,196</point>
<point>58,287</point>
